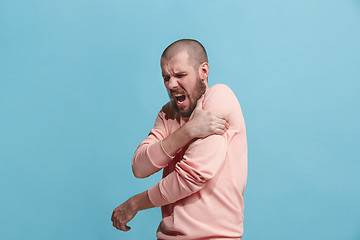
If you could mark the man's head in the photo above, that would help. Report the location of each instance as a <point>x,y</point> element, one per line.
<point>185,71</point>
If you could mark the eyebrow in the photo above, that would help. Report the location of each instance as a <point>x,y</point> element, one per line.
<point>175,72</point>
<point>180,73</point>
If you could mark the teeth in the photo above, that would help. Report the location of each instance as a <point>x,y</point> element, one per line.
<point>178,95</point>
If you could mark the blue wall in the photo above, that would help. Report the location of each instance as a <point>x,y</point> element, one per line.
<point>80,87</point>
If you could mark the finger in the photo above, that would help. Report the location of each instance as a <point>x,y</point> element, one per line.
<point>124,228</point>
<point>226,127</point>
<point>223,124</point>
<point>221,121</point>
<point>199,103</point>
<point>127,228</point>
<point>117,225</point>
<point>220,115</point>
<point>219,131</point>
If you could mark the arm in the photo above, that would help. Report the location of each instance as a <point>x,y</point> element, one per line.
<point>127,211</point>
<point>203,158</point>
<point>201,124</point>
<point>201,162</point>
<point>156,151</point>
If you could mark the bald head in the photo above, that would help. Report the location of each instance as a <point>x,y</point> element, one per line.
<point>196,51</point>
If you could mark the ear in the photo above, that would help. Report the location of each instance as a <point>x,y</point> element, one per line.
<point>204,71</point>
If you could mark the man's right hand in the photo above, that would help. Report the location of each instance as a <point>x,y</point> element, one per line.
<point>203,123</point>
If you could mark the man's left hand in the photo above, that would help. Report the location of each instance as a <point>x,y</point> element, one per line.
<point>123,214</point>
<point>127,211</point>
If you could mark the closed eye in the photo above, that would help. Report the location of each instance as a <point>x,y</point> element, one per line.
<point>166,78</point>
<point>180,75</point>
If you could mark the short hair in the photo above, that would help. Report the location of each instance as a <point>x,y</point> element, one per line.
<point>196,51</point>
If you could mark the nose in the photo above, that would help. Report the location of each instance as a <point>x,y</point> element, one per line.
<point>173,83</point>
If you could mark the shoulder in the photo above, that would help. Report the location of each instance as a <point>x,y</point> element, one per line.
<point>219,88</point>
<point>220,98</point>
<point>219,93</point>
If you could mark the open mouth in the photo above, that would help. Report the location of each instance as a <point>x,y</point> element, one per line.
<point>179,98</point>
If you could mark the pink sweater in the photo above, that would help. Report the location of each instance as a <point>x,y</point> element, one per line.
<point>202,189</point>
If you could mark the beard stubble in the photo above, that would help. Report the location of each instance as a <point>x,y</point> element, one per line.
<point>199,90</point>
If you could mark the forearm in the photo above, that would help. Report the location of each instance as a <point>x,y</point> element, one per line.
<point>141,202</point>
<point>151,157</point>
<point>201,124</point>
<point>158,150</point>
<point>200,163</point>
<point>178,139</point>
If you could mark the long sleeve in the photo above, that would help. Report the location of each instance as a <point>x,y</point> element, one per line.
<point>149,157</point>
<point>200,163</point>
<point>203,158</point>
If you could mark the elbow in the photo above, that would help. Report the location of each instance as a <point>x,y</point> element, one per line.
<point>142,166</point>
<point>136,168</point>
<point>137,173</point>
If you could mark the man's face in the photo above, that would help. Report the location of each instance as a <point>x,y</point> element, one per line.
<point>182,82</point>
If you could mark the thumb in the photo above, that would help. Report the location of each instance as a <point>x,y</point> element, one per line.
<point>199,103</point>
<point>127,228</point>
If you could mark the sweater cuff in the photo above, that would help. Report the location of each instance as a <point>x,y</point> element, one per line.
<point>155,196</point>
<point>157,155</point>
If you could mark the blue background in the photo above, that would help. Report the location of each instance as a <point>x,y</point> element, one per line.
<point>80,87</point>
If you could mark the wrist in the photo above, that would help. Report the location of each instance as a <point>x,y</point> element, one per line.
<point>189,131</point>
<point>162,147</point>
<point>134,203</point>
<point>140,202</point>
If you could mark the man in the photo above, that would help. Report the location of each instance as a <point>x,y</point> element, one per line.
<point>199,140</point>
